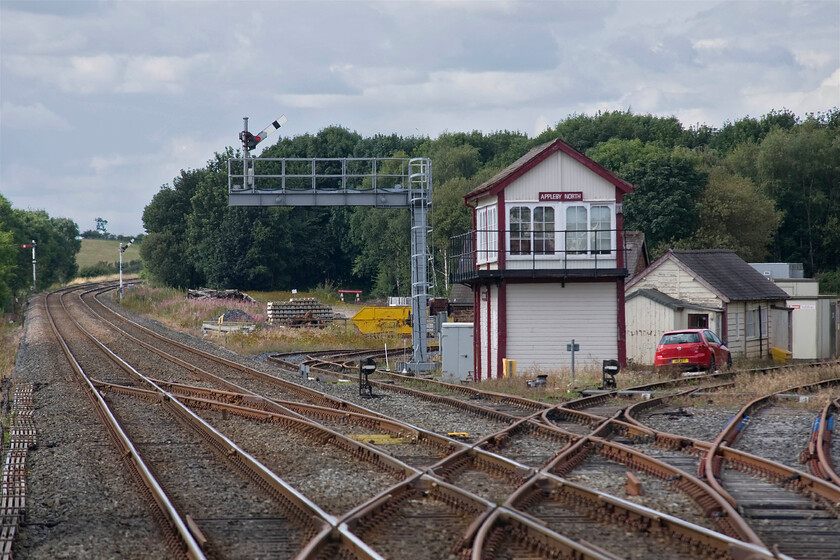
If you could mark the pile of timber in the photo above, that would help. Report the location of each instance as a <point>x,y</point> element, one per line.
<point>203,293</point>
<point>299,312</point>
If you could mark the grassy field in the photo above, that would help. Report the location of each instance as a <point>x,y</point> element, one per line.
<point>104,250</point>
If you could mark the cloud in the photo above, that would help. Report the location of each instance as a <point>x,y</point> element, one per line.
<point>32,118</point>
<point>106,73</point>
<point>821,98</point>
<point>136,91</point>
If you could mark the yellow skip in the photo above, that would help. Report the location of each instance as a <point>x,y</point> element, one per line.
<point>381,439</point>
<point>458,435</point>
<point>375,320</point>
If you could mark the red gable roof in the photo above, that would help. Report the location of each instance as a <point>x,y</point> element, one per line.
<point>532,159</point>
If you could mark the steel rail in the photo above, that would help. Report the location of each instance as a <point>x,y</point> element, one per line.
<point>503,524</point>
<point>712,504</point>
<point>486,412</point>
<point>437,484</point>
<point>711,464</point>
<point>824,494</point>
<point>294,388</point>
<point>368,518</point>
<point>312,430</point>
<point>301,511</point>
<point>516,418</point>
<point>819,448</point>
<point>592,400</point>
<point>174,526</point>
<point>600,506</point>
<point>471,392</point>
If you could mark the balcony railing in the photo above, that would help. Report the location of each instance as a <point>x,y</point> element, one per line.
<point>548,253</point>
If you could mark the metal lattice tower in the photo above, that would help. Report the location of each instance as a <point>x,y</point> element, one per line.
<point>376,182</point>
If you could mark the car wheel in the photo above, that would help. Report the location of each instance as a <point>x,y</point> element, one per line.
<point>712,364</point>
<point>728,362</point>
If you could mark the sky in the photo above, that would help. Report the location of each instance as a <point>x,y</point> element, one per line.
<point>119,96</point>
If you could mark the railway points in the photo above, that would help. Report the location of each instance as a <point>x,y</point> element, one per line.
<point>420,474</point>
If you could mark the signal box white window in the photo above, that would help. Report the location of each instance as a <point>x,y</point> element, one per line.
<point>487,235</point>
<point>581,229</point>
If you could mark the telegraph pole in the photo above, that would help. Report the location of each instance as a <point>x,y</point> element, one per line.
<point>122,250</point>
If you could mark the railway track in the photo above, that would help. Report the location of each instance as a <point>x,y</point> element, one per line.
<point>790,511</point>
<point>237,507</point>
<point>822,449</point>
<point>468,492</point>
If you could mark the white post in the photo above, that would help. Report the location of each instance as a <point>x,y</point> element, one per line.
<point>122,250</point>
<point>34,276</point>
<point>121,285</point>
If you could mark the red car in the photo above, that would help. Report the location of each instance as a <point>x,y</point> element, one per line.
<point>692,349</point>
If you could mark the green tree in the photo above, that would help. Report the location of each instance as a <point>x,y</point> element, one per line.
<point>376,233</point>
<point>56,247</point>
<point>800,170</point>
<point>751,130</point>
<point>165,252</point>
<point>584,132</point>
<point>247,248</point>
<point>734,214</point>
<point>8,264</point>
<point>669,183</point>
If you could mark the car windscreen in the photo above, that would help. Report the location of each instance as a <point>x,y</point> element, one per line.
<point>680,338</point>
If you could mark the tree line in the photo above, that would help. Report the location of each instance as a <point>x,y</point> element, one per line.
<point>767,188</point>
<point>56,246</point>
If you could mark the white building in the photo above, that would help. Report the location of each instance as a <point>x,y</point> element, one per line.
<point>712,289</point>
<point>546,263</point>
<point>815,322</point>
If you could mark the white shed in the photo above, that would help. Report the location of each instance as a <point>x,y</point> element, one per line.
<point>651,313</point>
<point>743,307</point>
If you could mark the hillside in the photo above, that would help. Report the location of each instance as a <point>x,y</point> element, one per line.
<point>105,250</point>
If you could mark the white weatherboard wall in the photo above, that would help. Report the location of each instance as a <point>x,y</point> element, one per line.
<point>560,172</point>
<point>487,328</point>
<point>646,321</point>
<point>543,318</point>
<point>672,280</point>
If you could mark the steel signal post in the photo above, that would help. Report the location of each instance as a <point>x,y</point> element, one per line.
<point>122,250</point>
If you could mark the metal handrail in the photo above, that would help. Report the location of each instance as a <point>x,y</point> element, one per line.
<point>465,257</point>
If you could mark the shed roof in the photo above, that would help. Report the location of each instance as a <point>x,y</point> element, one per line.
<point>534,157</point>
<point>461,294</point>
<point>728,273</point>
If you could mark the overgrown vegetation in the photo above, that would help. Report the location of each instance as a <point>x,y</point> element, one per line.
<point>748,386</point>
<point>171,307</point>
<point>10,334</point>
<point>56,248</point>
